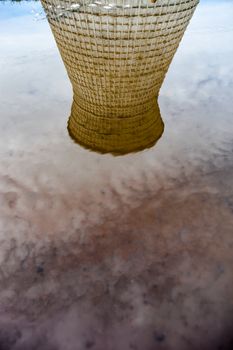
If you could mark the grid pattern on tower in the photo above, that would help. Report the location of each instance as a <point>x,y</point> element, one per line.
<point>117,54</point>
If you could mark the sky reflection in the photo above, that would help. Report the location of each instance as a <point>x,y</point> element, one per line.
<point>28,47</point>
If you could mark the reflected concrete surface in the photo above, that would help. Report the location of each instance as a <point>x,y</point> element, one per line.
<point>133,252</point>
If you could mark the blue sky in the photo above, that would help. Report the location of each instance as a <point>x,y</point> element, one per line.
<point>9,9</point>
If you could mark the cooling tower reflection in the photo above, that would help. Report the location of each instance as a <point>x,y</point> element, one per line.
<point>118,136</point>
<point>117,55</point>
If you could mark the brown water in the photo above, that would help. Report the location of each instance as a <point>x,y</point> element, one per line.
<point>108,253</point>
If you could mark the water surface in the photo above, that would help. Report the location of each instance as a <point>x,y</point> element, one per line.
<point>133,252</point>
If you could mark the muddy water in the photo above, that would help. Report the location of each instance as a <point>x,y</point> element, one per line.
<point>133,252</point>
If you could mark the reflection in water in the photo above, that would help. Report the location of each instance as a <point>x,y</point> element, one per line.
<point>122,253</point>
<point>118,135</point>
<point>116,57</point>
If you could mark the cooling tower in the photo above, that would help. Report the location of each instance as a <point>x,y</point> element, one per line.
<point>117,53</point>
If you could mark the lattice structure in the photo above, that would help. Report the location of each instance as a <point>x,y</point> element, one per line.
<point>117,53</point>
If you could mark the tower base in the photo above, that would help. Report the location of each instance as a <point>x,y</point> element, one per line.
<point>117,136</point>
